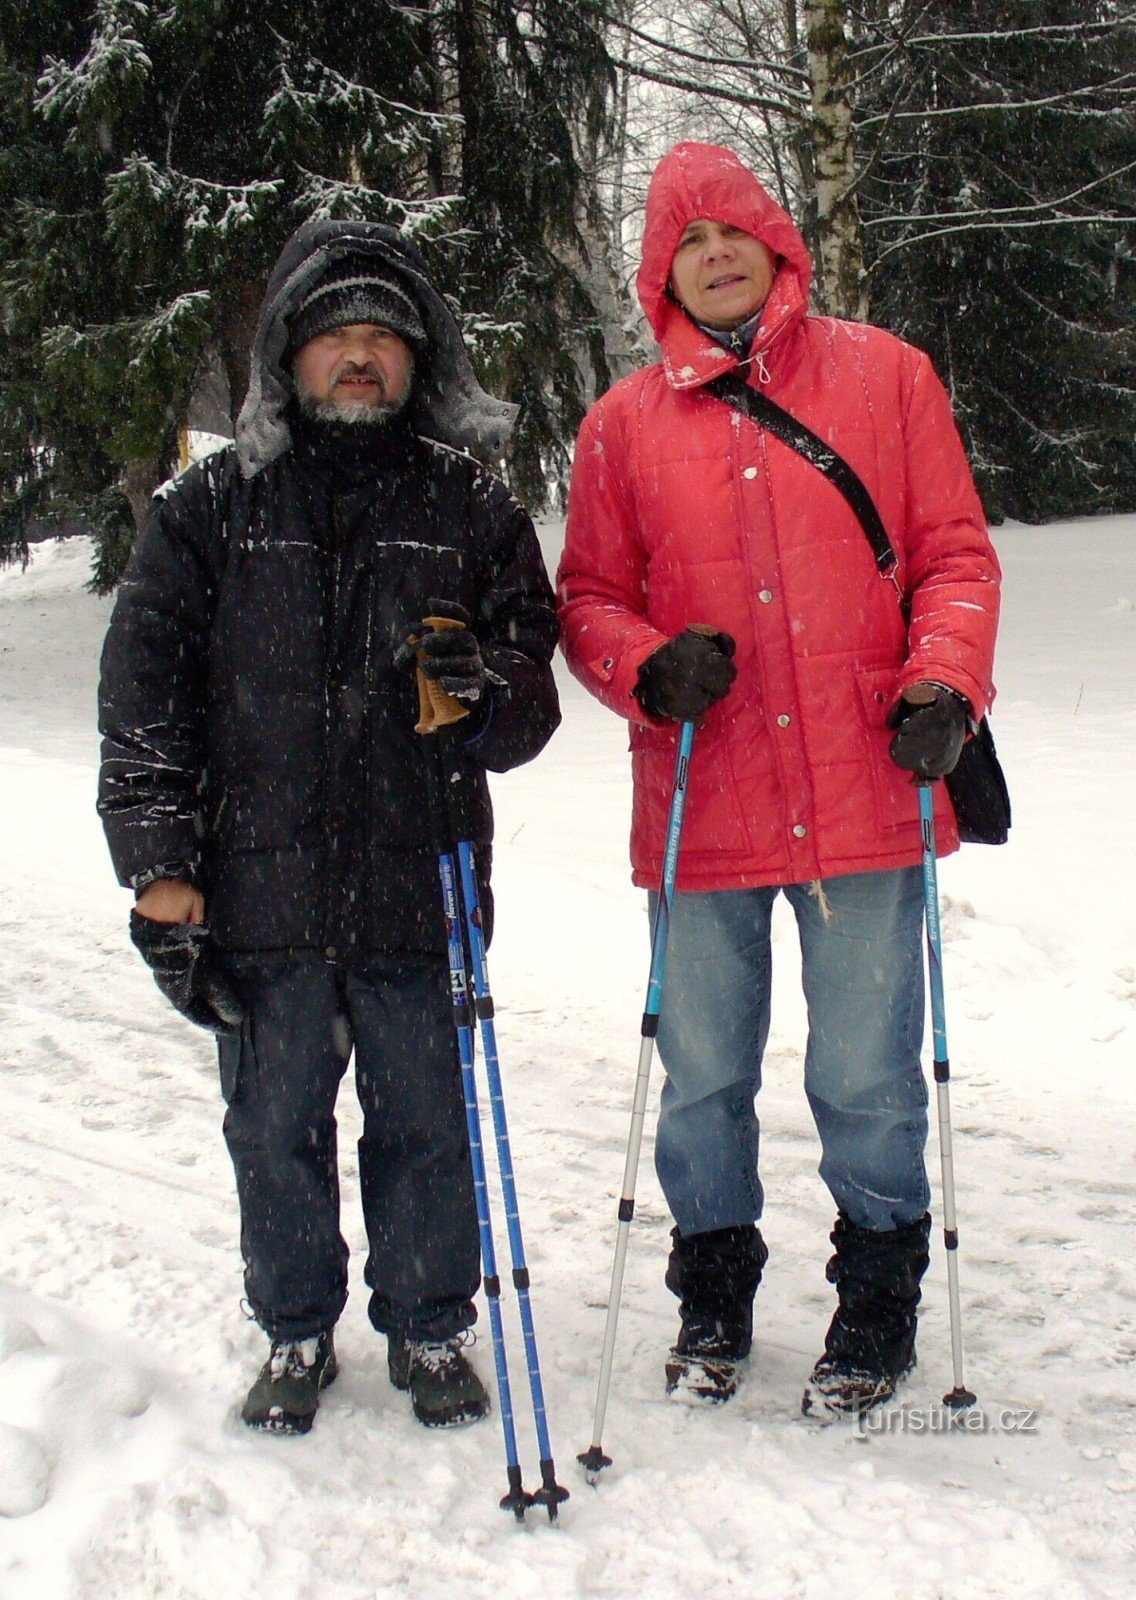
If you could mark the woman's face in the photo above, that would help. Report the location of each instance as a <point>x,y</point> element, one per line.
<point>720,274</point>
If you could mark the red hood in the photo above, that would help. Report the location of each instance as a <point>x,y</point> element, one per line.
<point>706,180</point>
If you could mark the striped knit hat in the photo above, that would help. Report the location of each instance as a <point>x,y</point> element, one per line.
<point>356,290</point>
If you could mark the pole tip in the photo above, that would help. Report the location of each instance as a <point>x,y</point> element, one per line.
<point>551,1494</point>
<point>593,1462</point>
<point>959,1399</point>
<point>517,1501</point>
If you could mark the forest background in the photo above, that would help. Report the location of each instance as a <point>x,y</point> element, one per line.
<point>963,170</point>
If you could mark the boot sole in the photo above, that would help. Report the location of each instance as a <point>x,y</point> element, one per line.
<point>473,1412</point>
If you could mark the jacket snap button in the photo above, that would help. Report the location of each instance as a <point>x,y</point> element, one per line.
<point>799,830</point>
<point>330,953</point>
<point>750,472</point>
<point>782,721</point>
<point>765,596</point>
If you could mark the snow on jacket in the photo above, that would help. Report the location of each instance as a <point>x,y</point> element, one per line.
<point>257,732</point>
<point>681,511</point>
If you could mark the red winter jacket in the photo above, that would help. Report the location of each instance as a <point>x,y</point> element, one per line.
<point>682,511</point>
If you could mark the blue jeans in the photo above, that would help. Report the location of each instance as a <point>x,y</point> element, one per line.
<point>863,983</point>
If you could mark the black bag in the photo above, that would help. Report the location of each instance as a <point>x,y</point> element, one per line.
<point>977,786</point>
<point>978,791</point>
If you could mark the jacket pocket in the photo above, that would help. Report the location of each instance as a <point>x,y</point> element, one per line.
<point>715,820</point>
<point>897,804</point>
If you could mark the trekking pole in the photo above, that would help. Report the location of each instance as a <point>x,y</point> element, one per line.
<point>516,1499</point>
<point>960,1396</point>
<point>593,1459</point>
<point>438,710</point>
<point>550,1494</point>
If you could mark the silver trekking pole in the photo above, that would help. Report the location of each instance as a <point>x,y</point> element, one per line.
<point>960,1396</point>
<point>593,1459</point>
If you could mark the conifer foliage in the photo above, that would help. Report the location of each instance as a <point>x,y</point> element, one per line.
<point>999,156</point>
<point>159,154</point>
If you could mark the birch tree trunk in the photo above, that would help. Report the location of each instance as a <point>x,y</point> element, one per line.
<point>843,284</point>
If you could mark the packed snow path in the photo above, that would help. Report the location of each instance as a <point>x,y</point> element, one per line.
<point>123,1470</point>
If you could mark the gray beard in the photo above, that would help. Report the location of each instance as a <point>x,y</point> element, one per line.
<point>364,416</point>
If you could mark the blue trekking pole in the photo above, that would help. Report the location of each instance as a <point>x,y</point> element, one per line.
<point>593,1460</point>
<point>438,713</point>
<point>515,1499</point>
<point>550,1494</point>
<point>960,1396</point>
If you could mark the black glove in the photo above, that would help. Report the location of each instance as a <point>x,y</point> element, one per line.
<point>930,738</point>
<point>185,967</point>
<point>684,677</point>
<point>452,659</point>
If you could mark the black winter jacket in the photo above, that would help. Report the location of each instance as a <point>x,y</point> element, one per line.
<point>257,732</point>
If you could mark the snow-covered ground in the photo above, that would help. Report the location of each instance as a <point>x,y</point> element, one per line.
<point>123,1471</point>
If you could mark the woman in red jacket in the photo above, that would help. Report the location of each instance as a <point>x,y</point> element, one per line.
<point>824,689</point>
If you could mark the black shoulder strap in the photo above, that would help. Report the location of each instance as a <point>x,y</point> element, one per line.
<point>766,413</point>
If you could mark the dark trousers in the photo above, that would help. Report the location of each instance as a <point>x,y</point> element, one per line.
<point>280,1080</point>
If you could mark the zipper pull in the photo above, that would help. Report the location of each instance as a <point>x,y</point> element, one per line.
<point>762,369</point>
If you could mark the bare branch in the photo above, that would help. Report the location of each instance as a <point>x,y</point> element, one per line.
<point>1010,211</point>
<point>736,97</point>
<point>750,63</point>
<point>1124,85</point>
<point>1058,33</point>
<point>1103,219</point>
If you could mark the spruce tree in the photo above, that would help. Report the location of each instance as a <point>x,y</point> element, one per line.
<point>529,81</point>
<point>1002,237</point>
<point>164,152</point>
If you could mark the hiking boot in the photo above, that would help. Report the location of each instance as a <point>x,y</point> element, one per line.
<point>704,1367</point>
<point>285,1396</point>
<point>445,1391</point>
<point>715,1275</point>
<point>870,1344</point>
<point>834,1391</point>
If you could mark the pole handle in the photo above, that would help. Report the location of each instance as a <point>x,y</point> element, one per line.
<point>436,708</point>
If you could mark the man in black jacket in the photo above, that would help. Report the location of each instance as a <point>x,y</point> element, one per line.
<point>264,792</point>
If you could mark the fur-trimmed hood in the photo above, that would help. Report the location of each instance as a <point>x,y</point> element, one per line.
<point>447,403</point>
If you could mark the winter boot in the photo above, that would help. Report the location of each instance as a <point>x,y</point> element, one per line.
<point>870,1345</point>
<point>285,1396</point>
<point>445,1391</point>
<point>715,1276</point>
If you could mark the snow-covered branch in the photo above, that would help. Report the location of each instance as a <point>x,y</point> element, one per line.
<point>116,62</point>
<point>321,198</point>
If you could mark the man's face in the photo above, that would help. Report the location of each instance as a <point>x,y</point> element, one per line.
<point>720,274</point>
<point>357,372</point>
